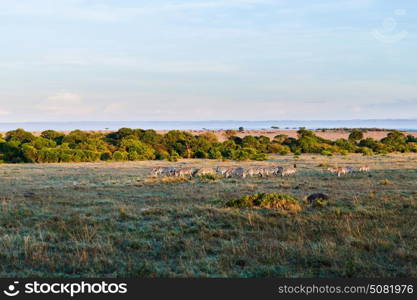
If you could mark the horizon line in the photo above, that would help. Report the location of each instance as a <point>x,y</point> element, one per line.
<point>189,121</point>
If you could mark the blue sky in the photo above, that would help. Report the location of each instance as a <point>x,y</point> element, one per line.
<point>207,60</point>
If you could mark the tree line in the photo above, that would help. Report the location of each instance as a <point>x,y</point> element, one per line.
<point>20,146</point>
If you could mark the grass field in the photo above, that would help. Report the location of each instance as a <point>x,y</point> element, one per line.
<point>112,220</point>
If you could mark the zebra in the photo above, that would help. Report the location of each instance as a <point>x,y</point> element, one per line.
<point>222,171</point>
<point>157,171</point>
<point>289,171</point>
<point>163,171</point>
<point>339,171</point>
<point>350,170</point>
<point>184,172</point>
<point>251,172</point>
<point>238,172</point>
<point>364,169</point>
<point>277,171</point>
<point>204,171</point>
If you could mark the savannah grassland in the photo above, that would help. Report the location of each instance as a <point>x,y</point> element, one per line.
<point>112,220</point>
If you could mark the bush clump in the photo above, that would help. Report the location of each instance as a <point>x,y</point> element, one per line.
<point>20,146</point>
<point>282,202</point>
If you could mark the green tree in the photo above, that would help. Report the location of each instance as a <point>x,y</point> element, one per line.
<point>139,150</point>
<point>20,135</point>
<point>53,135</point>
<point>355,135</point>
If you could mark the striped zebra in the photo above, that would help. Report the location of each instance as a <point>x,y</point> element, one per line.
<point>184,172</point>
<point>338,171</point>
<point>163,171</point>
<point>364,169</point>
<point>238,173</point>
<point>203,172</point>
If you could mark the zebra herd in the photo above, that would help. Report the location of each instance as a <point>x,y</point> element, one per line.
<point>225,172</point>
<point>348,170</point>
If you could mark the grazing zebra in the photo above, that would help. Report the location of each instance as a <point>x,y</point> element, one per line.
<point>272,171</point>
<point>204,171</point>
<point>163,171</point>
<point>157,171</point>
<point>288,172</point>
<point>277,171</point>
<point>251,172</point>
<point>238,172</point>
<point>350,170</point>
<point>184,172</point>
<point>339,171</point>
<point>229,173</point>
<point>222,171</point>
<point>169,171</point>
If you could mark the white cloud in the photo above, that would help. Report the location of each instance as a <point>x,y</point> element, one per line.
<point>65,103</point>
<point>84,10</point>
<point>116,108</point>
<point>4,112</point>
<point>83,58</point>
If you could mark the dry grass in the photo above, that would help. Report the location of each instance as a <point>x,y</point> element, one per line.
<point>112,220</point>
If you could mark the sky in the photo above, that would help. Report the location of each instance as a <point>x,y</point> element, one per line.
<point>112,60</point>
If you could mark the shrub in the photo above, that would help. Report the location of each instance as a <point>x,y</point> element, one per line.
<point>281,202</point>
<point>213,153</point>
<point>161,154</point>
<point>174,156</point>
<point>366,151</point>
<point>133,155</point>
<point>106,156</point>
<point>53,135</point>
<point>139,150</point>
<point>356,135</point>
<point>344,152</point>
<point>278,148</point>
<point>48,155</point>
<point>209,137</point>
<point>138,144</point>
<point>230,133</point>
<point>30,153</point>
<point>326,153</point>
<point>41,142</point>
<point>20,135</point>
<point>201,154</point>
<point>119,155</point>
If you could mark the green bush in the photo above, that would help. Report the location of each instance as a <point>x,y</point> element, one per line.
<point>174,156</point>
<point>356,135</point>
<point>278,148</point>
<point>30,153</point>
<point>214,153</point>
<point>119,156</point>
<point>282,202</point>
<point>106,156</point>
<point>326,153</point>
<point>161,155</point>
<point>366,151</point>
<point>137,144</point>
<point>20,135</point>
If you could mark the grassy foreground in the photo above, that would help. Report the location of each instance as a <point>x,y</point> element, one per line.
<point>111,220</point>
